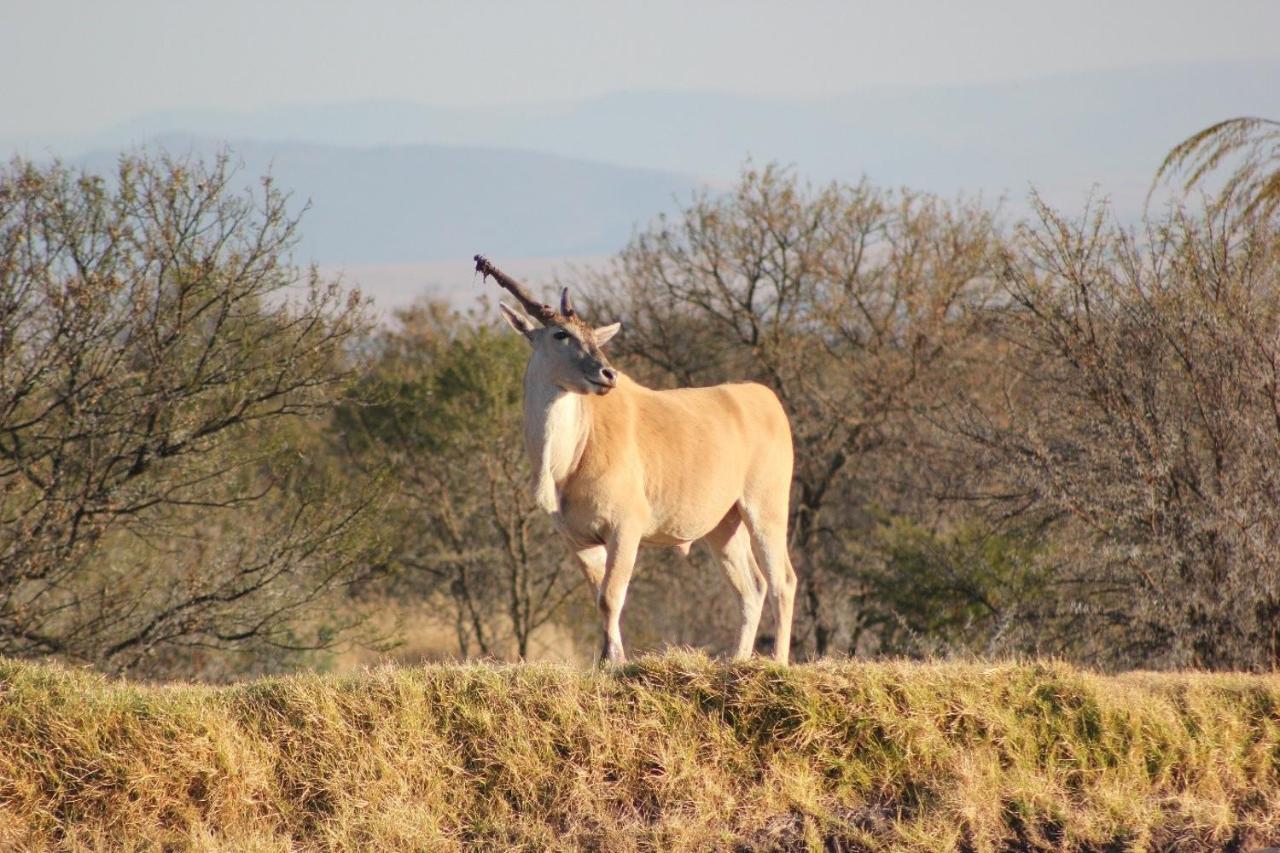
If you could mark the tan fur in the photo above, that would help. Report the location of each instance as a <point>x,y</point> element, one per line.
<point>620,465</point>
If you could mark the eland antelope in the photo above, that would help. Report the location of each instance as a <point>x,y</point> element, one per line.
<point>619,465</point>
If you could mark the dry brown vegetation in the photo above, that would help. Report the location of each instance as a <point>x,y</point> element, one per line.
<point>673,752</point>
<point>1054,437</point>
<point>162,369</point>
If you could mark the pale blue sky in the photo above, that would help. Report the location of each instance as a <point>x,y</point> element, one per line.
<point>75,67</point>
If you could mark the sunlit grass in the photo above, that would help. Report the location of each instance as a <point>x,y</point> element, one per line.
<point>673,752</point>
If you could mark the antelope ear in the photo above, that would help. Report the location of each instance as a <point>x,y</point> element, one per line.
<point>518,321</point>
<point>604,333</point>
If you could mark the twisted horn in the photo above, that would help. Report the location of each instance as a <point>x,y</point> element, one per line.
<point>566,304</point>
<point>541,312</point>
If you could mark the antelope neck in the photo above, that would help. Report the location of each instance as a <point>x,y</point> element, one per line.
<point>556,426</point>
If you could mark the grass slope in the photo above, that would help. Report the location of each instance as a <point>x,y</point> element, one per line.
<point>674,752</point>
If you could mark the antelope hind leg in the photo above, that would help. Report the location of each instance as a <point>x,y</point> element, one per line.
<point>769,544</point>
<point>731,543</point>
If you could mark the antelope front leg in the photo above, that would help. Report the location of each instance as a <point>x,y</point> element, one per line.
<point>619,564</point>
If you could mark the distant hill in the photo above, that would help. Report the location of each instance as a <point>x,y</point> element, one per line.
<point>1063,133</point>
<point>398,183</point>
<point>391,205</point>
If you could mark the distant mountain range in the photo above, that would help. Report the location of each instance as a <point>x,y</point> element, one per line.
<point>398,183</point>
<point>428,202</point>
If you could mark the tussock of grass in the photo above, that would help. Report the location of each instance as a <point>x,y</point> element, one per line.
<point>674,752</point>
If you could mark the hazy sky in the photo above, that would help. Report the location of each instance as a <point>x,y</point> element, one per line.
<point>71,67</point>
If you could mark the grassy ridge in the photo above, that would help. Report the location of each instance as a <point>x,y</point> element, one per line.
<point>674,752</point>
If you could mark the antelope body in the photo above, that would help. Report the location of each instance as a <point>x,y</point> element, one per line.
<point>619,465</point>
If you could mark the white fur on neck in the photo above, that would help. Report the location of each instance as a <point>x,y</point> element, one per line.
<point>555,432</point>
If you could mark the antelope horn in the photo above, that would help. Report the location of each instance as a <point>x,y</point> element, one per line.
<point>566,304</point>
<point>543,313</point>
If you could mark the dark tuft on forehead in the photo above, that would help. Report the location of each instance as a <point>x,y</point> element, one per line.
<point>577,325</point>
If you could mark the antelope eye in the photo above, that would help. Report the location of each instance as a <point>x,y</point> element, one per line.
<point>560,336</point>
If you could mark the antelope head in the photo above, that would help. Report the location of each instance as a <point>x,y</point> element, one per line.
<point>566,349</point>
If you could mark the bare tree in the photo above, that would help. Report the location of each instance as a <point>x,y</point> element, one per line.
<point>1140,412</point>
<point>153,335</point>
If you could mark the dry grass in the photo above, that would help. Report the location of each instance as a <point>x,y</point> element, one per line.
<point>412,630</point>
<point>674,752</point>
